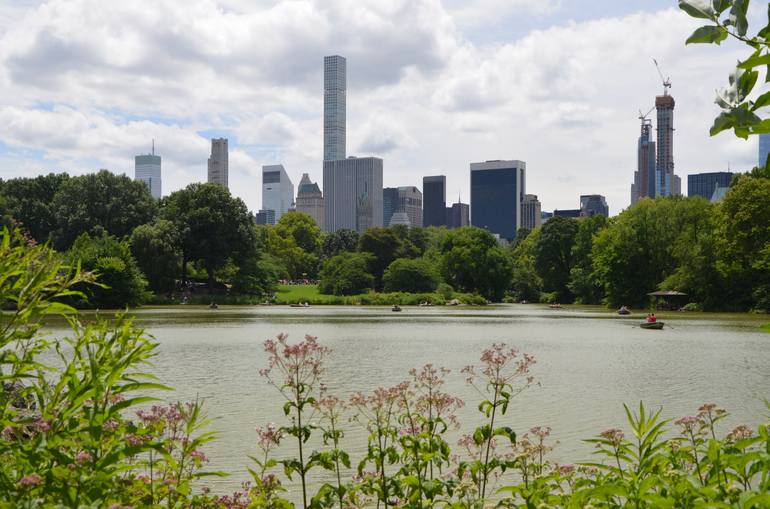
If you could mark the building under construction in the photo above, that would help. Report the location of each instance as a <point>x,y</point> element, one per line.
<point>654,175</point>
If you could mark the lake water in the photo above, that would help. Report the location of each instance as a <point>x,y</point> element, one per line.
<point>589,362</point>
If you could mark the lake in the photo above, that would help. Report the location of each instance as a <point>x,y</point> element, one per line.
<point>589,362</point>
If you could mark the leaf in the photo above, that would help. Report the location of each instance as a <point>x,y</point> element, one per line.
<point>725,120</point>
<point>762,101</point>
<point>697,8</point>
<point>719,6</point>
<point>707,34</point>
<point>737,16</point>
<point>755,60</point>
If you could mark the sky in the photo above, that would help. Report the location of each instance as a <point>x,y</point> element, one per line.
<point>432,86</point>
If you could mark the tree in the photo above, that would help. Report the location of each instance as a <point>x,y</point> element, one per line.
<point>258,275</point>
<point>157,248</point>
<point>304,230</point>
<point>583,283</point>
<point>384,246</point>
<point>411,275</point>
<point>553,256</point>
<point>341,241</point>
<point>214,226</point>
<point>100,202</point>
<point>346,274</point>
<point>30,201</point>
<point>527,284</point>
<point>472,261</point>
<point>115,267</point>
<point>745,248</point>
<point>728,19</point>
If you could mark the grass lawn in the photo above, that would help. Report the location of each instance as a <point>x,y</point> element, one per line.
<point>292,294</point>
<point>766,327</point>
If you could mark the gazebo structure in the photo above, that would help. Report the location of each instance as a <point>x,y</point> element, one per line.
<point>668,299</point>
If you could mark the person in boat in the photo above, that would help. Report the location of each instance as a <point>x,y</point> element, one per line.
<point>651,318</point>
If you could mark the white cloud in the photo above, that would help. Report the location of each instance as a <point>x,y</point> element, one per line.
<point>420,95</point>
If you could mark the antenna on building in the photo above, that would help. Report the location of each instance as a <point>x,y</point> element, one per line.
<point>153,146</point>
<point>666,80</point>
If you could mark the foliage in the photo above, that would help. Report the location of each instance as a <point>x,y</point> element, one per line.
<point>157,249</point>
<point>30,201</point>
<point>346,274</point>
<point>473,262</point>
<point>384,246</point>
<point>527,283</point>
<point>99,203</point>
<point>298,263</point>
<point>342,240</point>
<point>411,275</point>
<point>584,284</point>
<point>122,282</point>
<point>258,276</point>
<point>66,438</point>
<point>213,225</point>
<point>728,18</point>
<point>554,257</point>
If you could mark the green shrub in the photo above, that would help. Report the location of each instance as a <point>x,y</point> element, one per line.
<point>411,275</point>
<point>346,274</point>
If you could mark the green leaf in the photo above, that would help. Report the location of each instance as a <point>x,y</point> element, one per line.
<point>737,16</point>
<point>755,60</point>
<point>725,120</point>
<point>719,6</point>
<point>707,34</point>
<point>762,101</point>
<point>697,8</point>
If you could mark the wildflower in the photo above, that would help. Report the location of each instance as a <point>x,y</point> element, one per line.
<point>541,432</point>
<point>566,470</point>
<point>613,435</point>
<point>741,432</point>
<point>688,422</point>
<point>31,480</point>
<point>110,425</point>
<point>83,457</point>
<point>8,433</point>
<point>134,440</point>
<point>269,435</point>
<point>502,365</point>
<point>199,456</point>
<point>41,425</point>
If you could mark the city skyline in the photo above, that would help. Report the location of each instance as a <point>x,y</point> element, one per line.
<point>428,99</point>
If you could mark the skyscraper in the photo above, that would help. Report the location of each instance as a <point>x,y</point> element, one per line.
<point>218,162</point>
<point>335,87</point>
<point>434,200</point>
<point>644,176</point>
<point>593,204</point>
<point>277,190</point>
<point>531,212</point>
<point>352,191</point>
<point>147,169</point>
<point>405,200</point>
<point>497,190</point>
<point>704,184</point>
<point>666,182</point>
<point>458,215</point>
<point>764,149</point>
<point>310,200</point>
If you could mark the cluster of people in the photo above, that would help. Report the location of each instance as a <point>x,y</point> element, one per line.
<point>651,318</point>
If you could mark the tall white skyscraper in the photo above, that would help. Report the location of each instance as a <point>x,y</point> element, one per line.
<point>277,190</point>
<point>335,88</point>
<point>218,162</point>
<point>147,169</point>
<point>353,194</point>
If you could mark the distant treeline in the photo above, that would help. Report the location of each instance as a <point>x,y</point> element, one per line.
<point>202,239</point>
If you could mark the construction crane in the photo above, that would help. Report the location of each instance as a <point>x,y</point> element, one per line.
<point>643,116</point>
<point>666,81</point>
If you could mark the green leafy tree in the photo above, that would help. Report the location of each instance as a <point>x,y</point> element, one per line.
<point>583,282</point>
<point>384,245</point>
<point>123,283</point>
<point>296,240</point>
<point>472,261</point>
<point>343,240</point>
<point>214,226</point>
<point>259,275</point>
<point>100,203</point>
<point>527,284</point>
<point>346,274</point>
<point>728,18</point>
<point>30,202</point>
<point>553,256</point>
<point>303,229</point>
<point>745,251</point>
<point>157,248</point>
<point>411,275</point>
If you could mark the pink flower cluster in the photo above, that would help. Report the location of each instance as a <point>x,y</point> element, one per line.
<point>298,364</point>
<point>502,365</point>
<point>688,422</point>
<point>269,435</point>
<point>613,435</point>
<point>740,432</point>
<point>30,481</point>
<point>170,413</point>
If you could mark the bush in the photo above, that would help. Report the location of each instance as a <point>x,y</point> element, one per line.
<point>445,291</point>
<point>410,275</point>
<point>346,274</point>
<point>692,306</point>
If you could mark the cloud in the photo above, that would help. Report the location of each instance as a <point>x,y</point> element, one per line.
<point>421,94</point>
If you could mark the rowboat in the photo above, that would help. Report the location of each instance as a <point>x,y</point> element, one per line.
<point>651,325</point>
